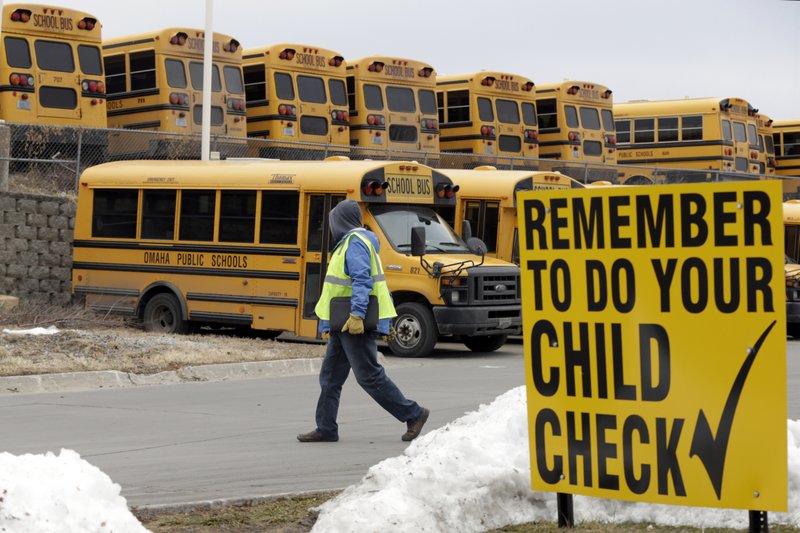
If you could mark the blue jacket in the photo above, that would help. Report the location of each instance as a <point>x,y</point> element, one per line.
<point>357,266</point>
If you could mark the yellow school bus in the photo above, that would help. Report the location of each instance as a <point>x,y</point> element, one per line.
<point>786,136</point>
<point>791,225</point>
<point>766,148</point>
<point>490,113</point>
<point>52,66</point>
<point>392,106</point>
<point>155,82</point>
<point>576,125</point>
<point>296,92</point>
<point>689,137</point>
<point>173,244</point>
<point>487,199</point>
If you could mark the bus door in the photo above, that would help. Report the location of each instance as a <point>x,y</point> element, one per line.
<point>57,80</point>
<point>509,126</point>
<point>317,246</point>
<point>314,111</point>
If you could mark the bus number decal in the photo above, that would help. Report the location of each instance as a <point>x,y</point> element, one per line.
<point>415,270</point>
<point>311,60</point>
<point>114,104</point>
<point>52,22</point>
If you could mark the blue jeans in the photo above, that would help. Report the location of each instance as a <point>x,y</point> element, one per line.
<point>359,352</point>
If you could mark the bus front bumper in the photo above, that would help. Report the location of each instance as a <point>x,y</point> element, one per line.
<point>484,320</point>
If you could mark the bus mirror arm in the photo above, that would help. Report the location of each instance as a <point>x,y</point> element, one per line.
<point>438,269</point>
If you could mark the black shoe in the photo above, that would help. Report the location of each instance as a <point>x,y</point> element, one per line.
<point>415,426</point>
<point>315,436</point>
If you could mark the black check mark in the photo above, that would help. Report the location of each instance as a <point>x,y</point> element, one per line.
<point>710,449</point>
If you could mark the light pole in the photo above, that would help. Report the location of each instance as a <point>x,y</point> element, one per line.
<point>205,132</point>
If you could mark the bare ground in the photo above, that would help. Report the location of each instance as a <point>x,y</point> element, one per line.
<point>86,342</point>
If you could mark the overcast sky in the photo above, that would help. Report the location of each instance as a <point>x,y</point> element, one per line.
<point>640,49</point>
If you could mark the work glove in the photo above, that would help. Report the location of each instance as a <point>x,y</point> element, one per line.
<point>354,325</point>
<point>391,335</point>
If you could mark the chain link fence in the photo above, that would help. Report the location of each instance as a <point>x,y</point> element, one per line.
<point>49,159</point>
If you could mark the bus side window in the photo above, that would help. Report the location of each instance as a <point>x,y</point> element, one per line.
<point>197,215</point>
<point>791,143</point>
<point>114,213</point>
<point>776,141</point>
<point>255,83</point>
<point>279,219</point>
<point>623,131</point>
<point>158,214</point>
<point>18,54</point>
<point>115,74</point>
<point>491,225</point>
<point>644,130</point>
<point>458,106</point>
<point>237,216</point>
<point>143,70</point>
<point>692,128</point>
<point>440,106</point>
<point>547,113</point>
<point>667,129</point>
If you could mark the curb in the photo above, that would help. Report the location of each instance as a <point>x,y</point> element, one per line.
<point>114,379</point>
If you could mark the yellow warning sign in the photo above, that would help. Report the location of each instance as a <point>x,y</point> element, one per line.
<point>654,323</point>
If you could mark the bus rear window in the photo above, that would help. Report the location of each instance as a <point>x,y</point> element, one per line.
<point>739,132</point>
<point>217,115</point>
<point>427,102</point>
<point>197,215</point>
<point>18,55</point>
<point>509,143</point>
<point>52,55</point>
<point>373,99</point>
<point>752,136</point>
<point>770,146</point>
<point>507,111</point>
<point>590,119</point>
<point>311,125</point>
<point>158,214</point>
<point>741,164</point>
<point>237,216</point>
<point>255,83</point>
<point>401,99</point>
<point>114,213</point>
<point>528,114</point>
<point>608,119</point>
<point>403,134</point>
<point>546,111</point>
<point>89,59</point>
<point>176,73</point>
<point>338,92</point>
<point>233,80</point>
<point>571,114</point>
<point>311,89</point>
<point>727,133</point>
<point>593,148</point>
<point>58,98</point>
<point>485,111</point>
<point>279,217</point>
<point>196,74</point>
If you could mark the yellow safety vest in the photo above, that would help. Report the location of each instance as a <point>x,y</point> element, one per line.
<point>338,283</point>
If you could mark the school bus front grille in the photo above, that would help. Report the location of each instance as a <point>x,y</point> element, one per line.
<point>497,288</point>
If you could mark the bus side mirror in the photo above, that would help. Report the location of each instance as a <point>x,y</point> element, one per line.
<point>466,231</point>
<point>477,246</point>
<point>418,241</point>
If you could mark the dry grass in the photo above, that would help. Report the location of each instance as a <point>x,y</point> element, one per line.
<point>87,341</point>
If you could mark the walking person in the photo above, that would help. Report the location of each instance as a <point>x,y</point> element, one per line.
<point>355,271</point>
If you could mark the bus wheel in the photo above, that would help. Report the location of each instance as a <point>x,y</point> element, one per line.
<point>485,343</point>
<point>415,329</point>
<point>162,314</point>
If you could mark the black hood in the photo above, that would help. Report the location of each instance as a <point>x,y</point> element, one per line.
<point>343,218</point>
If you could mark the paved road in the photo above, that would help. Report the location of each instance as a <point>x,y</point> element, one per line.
<point>201,441</point>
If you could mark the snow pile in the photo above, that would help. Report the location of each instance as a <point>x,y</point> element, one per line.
<point>33,331</point>
<point>60,494</point>
<point>474,475</point>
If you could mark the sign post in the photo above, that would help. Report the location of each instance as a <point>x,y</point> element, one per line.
<point>654,324</point>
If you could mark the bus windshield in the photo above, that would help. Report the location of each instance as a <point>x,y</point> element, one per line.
<point>396,222</point>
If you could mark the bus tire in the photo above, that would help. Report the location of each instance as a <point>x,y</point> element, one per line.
<point>793,330</point>
<point>485,343</point>
<point>415,331</point>
<point>162,314</point>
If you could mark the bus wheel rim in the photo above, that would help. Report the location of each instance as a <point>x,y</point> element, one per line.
<point>408,331</point>
<point>164,317</point>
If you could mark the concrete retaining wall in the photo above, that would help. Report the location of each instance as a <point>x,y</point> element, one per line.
<point>36,235</point>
